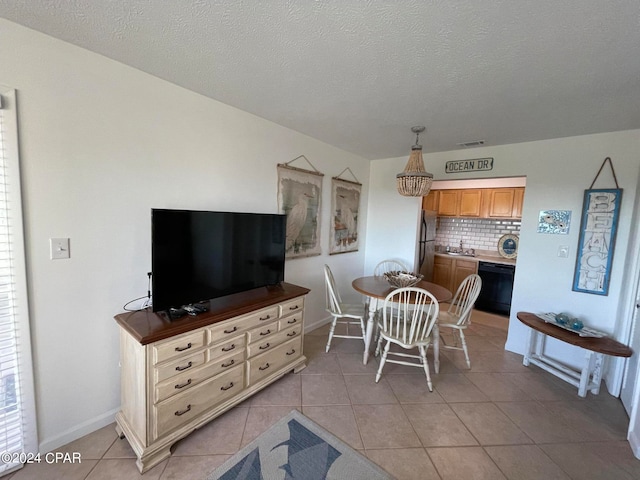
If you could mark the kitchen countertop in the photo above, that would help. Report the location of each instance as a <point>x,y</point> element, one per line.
<point>481,258</point>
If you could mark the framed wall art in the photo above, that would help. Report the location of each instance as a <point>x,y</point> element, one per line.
<point>556,222</point>
<point>299,198</point>
<point>345,208</point>
<point>600,212</point>
<point>598,227</point>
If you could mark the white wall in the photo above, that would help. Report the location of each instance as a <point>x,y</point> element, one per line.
<point>101,144</point>
<point>558,171</point>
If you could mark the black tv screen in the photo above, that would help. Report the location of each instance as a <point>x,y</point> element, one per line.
<point>199,255</point>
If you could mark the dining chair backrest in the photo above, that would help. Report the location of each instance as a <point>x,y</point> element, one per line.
<point>389,266</point>
<point>465,298</point>
<point>332,295</point>
<point>409,314</point>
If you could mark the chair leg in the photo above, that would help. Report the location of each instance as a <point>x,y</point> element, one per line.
<point>364,331</point>
<point>331,330</point>
<point>378,344</point>
<point>382,361</point>
<point>464,348</point>
<point>425,365</point>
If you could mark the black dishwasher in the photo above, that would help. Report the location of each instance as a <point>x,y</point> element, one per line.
<point>497,287</point>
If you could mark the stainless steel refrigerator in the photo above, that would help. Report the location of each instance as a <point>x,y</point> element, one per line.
<point>426,244</point>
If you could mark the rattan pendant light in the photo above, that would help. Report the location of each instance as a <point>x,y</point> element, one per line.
<point>415,181</point>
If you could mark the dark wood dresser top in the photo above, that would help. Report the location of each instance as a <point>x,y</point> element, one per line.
<point>147,327</point>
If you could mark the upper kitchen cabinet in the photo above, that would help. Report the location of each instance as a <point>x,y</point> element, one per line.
<point>505,202</point>
<point>476,202</point>
<point>430,202</point>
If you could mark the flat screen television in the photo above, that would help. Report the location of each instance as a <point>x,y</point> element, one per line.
<point>199,255</point>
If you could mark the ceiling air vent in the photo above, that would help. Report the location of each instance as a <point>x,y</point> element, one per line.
<point>475,143</point>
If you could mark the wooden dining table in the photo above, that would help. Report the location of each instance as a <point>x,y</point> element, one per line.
<point>377,288</point>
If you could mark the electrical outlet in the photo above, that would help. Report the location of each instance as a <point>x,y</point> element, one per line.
<point>59,248</point>
<point>563,251</point>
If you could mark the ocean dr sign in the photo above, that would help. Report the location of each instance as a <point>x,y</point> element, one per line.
<point>473,165</point>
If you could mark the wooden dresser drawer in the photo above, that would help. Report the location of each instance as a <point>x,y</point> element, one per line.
<point>180,409</point>
<point>295,319</point>
<point>191,378</point>
<point>264,365</point>
<point>221,331</point>
<point>293,306</point>
<point>177,367</point>
<point>273,341</point>
<point>180,345</point>
<point>262,332</point>
<point>233,345</point>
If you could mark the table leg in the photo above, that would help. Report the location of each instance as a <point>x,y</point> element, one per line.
<point>586,373</point>
<point>597,373</point>
<point>373,306</point>
<point>530,347</point>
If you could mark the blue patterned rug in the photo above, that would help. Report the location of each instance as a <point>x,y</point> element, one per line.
<point>295,448</point>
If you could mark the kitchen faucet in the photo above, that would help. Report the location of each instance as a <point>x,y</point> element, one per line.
<point>461,245</point>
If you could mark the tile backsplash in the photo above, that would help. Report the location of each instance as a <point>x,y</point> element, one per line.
<point>478,233</point>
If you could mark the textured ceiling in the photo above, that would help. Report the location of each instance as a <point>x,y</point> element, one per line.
<point>359,74</point>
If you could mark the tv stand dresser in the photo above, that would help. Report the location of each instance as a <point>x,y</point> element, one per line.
<point>178,375</point>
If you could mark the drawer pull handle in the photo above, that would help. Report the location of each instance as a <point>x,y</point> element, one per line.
<point>264,367</point>
<point>292,334</point>
<point>229,348</point>
<point>293,350</point>
<point>182,412</point>
<point>182,349</point>
<point>227,387</point>
<point>265,318</point>
<point>225,365</point>
<point>182,385</point>
<point>232,330</point>
<point>293,320</point>
<point>295,307</point>
<point>188,365</point>
<point>266,345</point>
<point>265,333</point>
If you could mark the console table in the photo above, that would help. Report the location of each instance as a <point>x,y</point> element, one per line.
<point>590,376</point>
<point>178,375</point>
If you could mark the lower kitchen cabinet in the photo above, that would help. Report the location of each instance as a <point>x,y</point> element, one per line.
<point>450,271</point>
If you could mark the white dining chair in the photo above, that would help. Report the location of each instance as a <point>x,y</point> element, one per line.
<point>458,315</point>
<point>341,313</point>
<point>389,265</point>
<point>408,317</point>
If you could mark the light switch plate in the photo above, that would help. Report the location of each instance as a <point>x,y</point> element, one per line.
<point>59,248</point>
<point>563,251</point>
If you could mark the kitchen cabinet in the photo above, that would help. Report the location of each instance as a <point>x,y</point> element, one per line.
<point>476,202</point>
<point>448,201</point>
<point>449,272</point>
<point>518,198</point>
<point>500,202</point>
<point>442,271</point>
<point>430,202</point>
<point>470,202</point>
<point>461,270</point>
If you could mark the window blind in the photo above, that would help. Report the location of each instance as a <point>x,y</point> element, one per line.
<point>17,412</point>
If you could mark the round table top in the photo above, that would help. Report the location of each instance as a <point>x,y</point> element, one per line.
<point>378,287</point>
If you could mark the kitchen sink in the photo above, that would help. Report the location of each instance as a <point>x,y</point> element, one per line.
<point>461,254</point>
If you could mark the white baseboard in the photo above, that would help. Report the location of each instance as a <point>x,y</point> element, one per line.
<point>78,431</point>
<point>634,442</point>
<point>309,326</point>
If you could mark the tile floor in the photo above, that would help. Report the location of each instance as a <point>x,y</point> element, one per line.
<point>498,420</point>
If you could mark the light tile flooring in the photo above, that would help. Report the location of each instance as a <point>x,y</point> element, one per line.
<point>497,420</point>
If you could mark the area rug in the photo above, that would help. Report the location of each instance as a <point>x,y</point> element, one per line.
<point>295,448</point>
